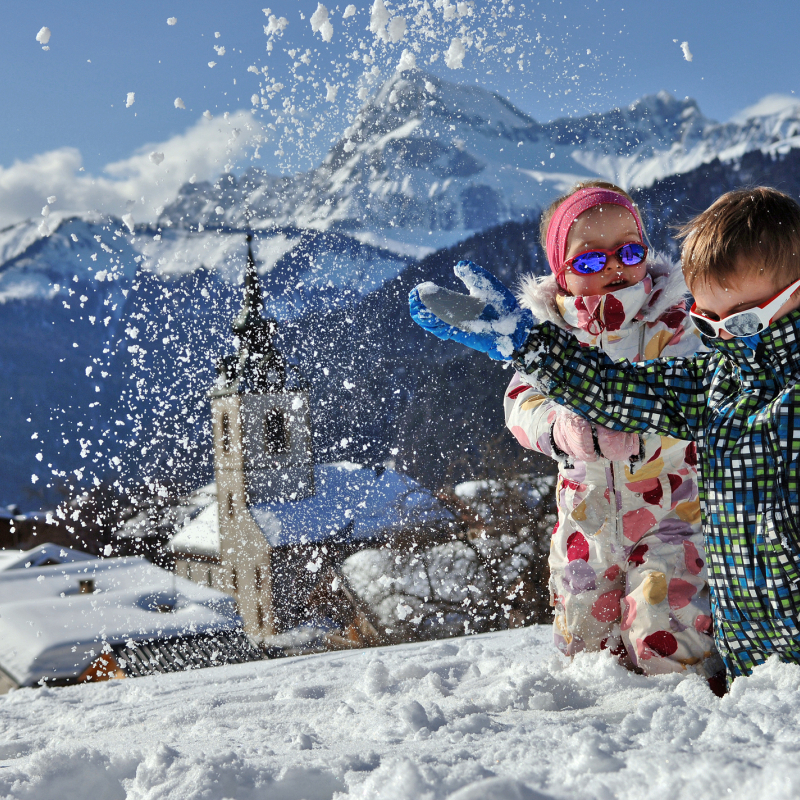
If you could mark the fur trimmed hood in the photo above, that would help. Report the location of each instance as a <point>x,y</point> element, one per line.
<point>669,288</point>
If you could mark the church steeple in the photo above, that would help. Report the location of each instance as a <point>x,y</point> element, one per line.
<point>258,366</point>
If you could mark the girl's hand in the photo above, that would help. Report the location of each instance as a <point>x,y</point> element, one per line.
<point>579,439</point>
<point>488,319</point>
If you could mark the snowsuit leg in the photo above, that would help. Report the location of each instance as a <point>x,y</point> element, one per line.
<point>666,619</point>
<point>586,580</point>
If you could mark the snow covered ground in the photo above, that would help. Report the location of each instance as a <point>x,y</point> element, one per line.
<point>492,717</point>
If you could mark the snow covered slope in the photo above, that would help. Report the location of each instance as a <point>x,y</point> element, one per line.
<point>428,162</point>
<point>493,717</point>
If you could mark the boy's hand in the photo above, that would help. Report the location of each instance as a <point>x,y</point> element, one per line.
<point>488,319</point>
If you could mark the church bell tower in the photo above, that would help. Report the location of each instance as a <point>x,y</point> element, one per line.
<point>260,413</point>
<point>262,452</point>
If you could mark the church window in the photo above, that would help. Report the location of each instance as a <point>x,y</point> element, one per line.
<point>276,435</point>
<point>226,432</point>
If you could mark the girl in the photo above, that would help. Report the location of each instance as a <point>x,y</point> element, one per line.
<point>627,563</point>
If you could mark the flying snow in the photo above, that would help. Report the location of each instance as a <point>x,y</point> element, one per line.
<point>130,99</point>
<point>407,61</point>
<point>43,37</point>
<point>379,17</point>
<point>128,220</point>
<point>454,57</point>
<point>332,88</point>
<point>156,157</point>
<point>397,29</point>
<point>350,11</point>
<point>687,53</point>
<point>321,23</point>
<point>179,103</point>
<point>172,21</point>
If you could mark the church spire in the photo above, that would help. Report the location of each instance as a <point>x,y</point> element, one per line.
<point>252,299</point>
<point>257,366</point>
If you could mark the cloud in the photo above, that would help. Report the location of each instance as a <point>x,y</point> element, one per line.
<point>134,185</point>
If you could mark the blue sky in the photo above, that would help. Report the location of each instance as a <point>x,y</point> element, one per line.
<point>74,95</point>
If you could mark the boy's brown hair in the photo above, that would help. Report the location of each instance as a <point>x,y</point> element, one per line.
<point>547,215</point>
<point>760,225</point>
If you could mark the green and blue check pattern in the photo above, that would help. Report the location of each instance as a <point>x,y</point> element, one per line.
<point>739,403</point>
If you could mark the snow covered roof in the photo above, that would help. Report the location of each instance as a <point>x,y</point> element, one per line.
<point>350,500</point>
<point>41,556</point>
<point>52,627</point>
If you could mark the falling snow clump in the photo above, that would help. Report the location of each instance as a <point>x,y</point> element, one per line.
<point>687,53</point>
<point>321,23</point>
<point>179,103</point>
<point>454,57</point>
<point>156,157</point>
<point>130,99</point>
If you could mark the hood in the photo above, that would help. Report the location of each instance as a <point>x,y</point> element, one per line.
<point>541,294</point>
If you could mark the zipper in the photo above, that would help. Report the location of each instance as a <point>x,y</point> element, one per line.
<point>616,480</point>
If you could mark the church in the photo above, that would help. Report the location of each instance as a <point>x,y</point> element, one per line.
<point>274,527</point>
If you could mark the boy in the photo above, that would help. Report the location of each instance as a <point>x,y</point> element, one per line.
<point>741,260</point>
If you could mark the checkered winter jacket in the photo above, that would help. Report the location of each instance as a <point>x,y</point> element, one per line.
<point>741,403</point>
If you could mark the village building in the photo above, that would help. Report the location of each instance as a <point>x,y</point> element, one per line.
<point>67,617</point>
<point>274,527</point>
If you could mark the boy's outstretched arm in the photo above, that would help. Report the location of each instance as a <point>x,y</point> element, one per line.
<point>664,396</point>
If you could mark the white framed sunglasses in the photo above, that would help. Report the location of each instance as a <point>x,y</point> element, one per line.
<point>744,323</point>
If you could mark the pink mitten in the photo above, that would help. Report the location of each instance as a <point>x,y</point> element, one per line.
<point>616,445</point>
<point>573,436</point>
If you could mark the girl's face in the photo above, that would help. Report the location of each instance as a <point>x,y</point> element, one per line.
<point>603,227</point>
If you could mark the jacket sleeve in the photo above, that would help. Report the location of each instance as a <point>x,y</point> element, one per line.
<point>664,396</point>
<point>530,415</point>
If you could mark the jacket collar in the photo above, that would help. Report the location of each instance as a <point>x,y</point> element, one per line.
<point>772,354</point>
<point>548,303</point>
<point>605,312</point>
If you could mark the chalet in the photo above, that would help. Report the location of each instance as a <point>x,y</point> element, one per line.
<point>66,617</point>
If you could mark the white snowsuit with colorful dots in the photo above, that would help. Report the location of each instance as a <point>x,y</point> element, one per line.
<point>627,564</point>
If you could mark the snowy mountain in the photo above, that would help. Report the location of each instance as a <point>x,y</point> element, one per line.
<point>108,336</point>
<point>427,162</point>
<point>493,717</point>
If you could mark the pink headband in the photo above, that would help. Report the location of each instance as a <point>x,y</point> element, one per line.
<point>568,212</point>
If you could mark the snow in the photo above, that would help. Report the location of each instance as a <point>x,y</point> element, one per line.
<point>454,56</point>
<point>179,103</point>
<point>492,717</point>
<point>172,21</point>
<point>43,37</point>
<point>773,105</point>
<point>49,627</point>
<point>687,53</point>
<point>130,99</point>
<point>320,23</point>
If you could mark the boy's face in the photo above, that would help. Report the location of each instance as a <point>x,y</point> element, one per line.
<point>717,301</point>
<point>604,227</point>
